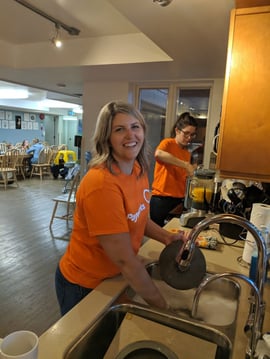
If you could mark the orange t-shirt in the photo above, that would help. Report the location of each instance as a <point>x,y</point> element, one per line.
<point>105,204</point>
<point>170,180</point>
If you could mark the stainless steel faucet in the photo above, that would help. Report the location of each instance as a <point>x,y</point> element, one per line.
<point>257,306</point>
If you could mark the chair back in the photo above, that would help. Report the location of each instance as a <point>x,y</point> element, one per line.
<point>3,148</point>
<point>53,156</point>
<point>44,155</point>
<point>73,188</point>
<point>9,160</point>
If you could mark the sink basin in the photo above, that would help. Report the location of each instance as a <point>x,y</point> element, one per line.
<point>97,339</point>
<point>218,304</point>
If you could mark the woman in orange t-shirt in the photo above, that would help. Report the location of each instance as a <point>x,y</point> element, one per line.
<point>112,213</point>
<point>172,168</point>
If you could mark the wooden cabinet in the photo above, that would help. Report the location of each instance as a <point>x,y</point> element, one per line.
<point>244,142</point>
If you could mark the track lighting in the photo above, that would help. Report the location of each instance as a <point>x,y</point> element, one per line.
<point>73,31</point>
<point>163,2</point>
<point>56,40</point>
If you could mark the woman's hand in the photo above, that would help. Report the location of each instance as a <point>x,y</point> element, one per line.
<point>162,235</point>
<point>176,236</point>
<point>190,169</point>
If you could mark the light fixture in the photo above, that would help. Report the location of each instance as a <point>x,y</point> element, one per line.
<point>163,2</point>
<point>12,94</point>
<point>73,31</point>
<point>78,110</point>
<point>56,39</point>
<point>70,118</point>
<point>57,104</point>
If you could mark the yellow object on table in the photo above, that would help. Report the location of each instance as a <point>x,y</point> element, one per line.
<point>66,155</point>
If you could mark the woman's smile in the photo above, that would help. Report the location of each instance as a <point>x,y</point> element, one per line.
<point>126,139</point>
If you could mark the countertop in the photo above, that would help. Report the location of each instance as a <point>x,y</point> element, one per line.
<point>55,341</point>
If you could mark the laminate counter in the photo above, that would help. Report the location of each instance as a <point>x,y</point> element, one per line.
<point>55,341</point>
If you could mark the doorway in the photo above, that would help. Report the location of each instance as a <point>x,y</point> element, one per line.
<point>196,102</point>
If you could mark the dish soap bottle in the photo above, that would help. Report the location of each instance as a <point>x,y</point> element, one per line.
<point>254,258</point>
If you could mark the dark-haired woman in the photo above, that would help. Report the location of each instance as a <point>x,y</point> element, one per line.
<point>172,168</point>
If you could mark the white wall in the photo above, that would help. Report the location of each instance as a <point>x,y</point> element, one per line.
<point>214,113</point>
<point>97,94</point>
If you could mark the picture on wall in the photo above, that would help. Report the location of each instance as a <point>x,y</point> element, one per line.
<point>2,115</point>
<point>11,125</point>
<point>8,115</point>
<point>35,126</point>
<point>18,120</point>
<point>5,124</point>
<point>24,125</point>
<point>26,117</point>
<point>33,117</point>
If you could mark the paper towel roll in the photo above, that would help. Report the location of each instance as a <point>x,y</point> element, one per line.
<point>260,216</point>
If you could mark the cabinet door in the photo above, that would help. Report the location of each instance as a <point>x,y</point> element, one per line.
<point>244,144</point>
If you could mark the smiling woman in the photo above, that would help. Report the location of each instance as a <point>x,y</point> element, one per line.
<point>126,139</point>
<point>111,216</point>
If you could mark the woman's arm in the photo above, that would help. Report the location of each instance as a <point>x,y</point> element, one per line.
<point>119,250</point>
<point>154,231</point>
<point>166,157</point>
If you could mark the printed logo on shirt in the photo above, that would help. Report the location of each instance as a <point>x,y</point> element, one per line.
<point>146,195</point>
<point>134,216</point>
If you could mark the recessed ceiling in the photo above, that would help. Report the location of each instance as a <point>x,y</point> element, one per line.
<point>123,40</point>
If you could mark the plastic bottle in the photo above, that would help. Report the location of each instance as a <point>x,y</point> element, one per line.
<point>253,263</point>
<point>254,257</point>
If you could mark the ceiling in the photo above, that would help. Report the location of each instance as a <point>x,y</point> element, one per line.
<point>125,40</point>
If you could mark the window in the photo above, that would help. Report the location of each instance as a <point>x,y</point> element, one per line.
<point>195,101</point>
<point>160,107</point>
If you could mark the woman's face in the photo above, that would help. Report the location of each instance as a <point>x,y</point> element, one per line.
<point>126,138</point>
<point>185,136</point>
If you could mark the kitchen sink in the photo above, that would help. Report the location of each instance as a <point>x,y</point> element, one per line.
<point>97,339</point>
<point>218,303</point>
<point>211,333</point>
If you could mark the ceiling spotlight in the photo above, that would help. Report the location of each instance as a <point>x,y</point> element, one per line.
<point>163,2</point>
<point>56,40</point>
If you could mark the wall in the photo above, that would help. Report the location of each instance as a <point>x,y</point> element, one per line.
<point>98,94</point>
<point>15,126</point>
<point>95,96</point>
<point>51,129</point>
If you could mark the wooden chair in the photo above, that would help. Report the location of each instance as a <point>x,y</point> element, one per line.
<point>3,148</point>
<point>68,200</point>
<point>53,156</point>
<point>43,167</point>
<point>20,165</point>
<point>8,169</point>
